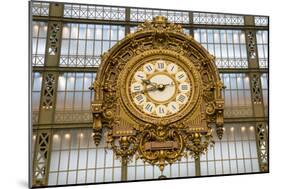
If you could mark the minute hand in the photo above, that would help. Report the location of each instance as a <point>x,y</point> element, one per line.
<point>154,88</point>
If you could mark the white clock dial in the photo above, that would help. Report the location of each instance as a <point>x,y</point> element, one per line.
<point>172,68</point>
<point>161,110</point>
<point>136,87</point>
<point>160,88</point>
<point>149,68</point>
<point>160,65</point>
<point>168,91</point>
<point>139,76</point>
<point>184,87</point>
<point>149,107</point>
<point>181,98</point>
<point>181,76</point>
<point>173,107</point>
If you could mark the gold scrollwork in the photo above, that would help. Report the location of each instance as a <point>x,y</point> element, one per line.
<point>157,141</point>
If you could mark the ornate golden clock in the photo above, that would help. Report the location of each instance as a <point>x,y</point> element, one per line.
<point>157,92</point>
<point>158,87</point>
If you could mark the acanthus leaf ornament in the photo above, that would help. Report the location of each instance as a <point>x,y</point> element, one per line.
<point>157,92</point>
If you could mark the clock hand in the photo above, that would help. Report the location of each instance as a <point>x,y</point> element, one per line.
<point>153,88</point>
<point>146,81</point>
<point>161,87</point>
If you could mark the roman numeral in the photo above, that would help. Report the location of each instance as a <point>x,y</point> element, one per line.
<point>172,68</point>
<point>148,107</point>
<point>174,107</point>
<point>181,98</point>
<point>149,68</point>
<point>184,87</point>
<point>160,65</point>
<point>137,88</point>
<point>180,76</point>
<point>161,110</point>
<point>140,76</point>
<point>139,99</point>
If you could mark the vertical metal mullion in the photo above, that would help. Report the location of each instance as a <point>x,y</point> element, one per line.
<point>104,164</point>
<point>234,139</point>
<point>242,89</point>
<point>153,171</point>
<point>179,168</point>
<point>237,90</point>
<point>233,45</point>
<point>135,169</point>
<point>226,44</point>
<point>221,157</point>
<point>78,154</point>
<point>37,41</point>
<point>96,160</point>
<point>263,44</point>
<point>207,162</point>
<point>243,149</point>
<point>86,42</point>
<point>187,166</point>
<point>78,43</point>
<point>65,90</point>
<point>58,171</point>
<point>68,163</point>
<point>228,151</point>
<point>144,170</point>
<point>69,40</point>
<point>239,42</point>
<point>207,42</point>
<point>230,91</point>
<point>94,41</point>
<point>82,92</point>
<point>214,155</point>
<point>171,171</point>
<point>251,158</point>
<point>102,39</point>
<point>87,154</point>
<point>113,166</point>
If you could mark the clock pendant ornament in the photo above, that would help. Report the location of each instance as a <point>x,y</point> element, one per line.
<point>157,93</point>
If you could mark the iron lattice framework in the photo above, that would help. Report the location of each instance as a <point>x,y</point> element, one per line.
<point>67,42</point>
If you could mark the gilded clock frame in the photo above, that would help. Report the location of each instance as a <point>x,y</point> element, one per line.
<point>128,71</point>
<point>161,141</point>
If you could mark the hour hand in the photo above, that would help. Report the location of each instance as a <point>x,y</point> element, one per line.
<point>146,81</point>
<point>168,84</point>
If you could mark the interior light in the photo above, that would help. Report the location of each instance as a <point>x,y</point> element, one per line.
<point>67,136</point>
<point>56,136</point>
<point>34,137</point>
<point>232,129</point>
<point>242,128</point>
<point>251,128</point>
<point>81,135</point>
<point>35,27</point>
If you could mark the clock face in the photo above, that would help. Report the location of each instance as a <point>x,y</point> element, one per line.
<point>160,88</point>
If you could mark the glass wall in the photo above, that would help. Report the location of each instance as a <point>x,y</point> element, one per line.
<point>237,95</point>
<point>138,170</point>
<point>74,97</point>
<point>228,46</point>
<point>235,153</point>
<point>262,45</point>
<point>90,30</point>
<point>36,92</point>
<point>264,84</point>
<point>76,159</point>
<point>82,44</point>
<point>39,35</point>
